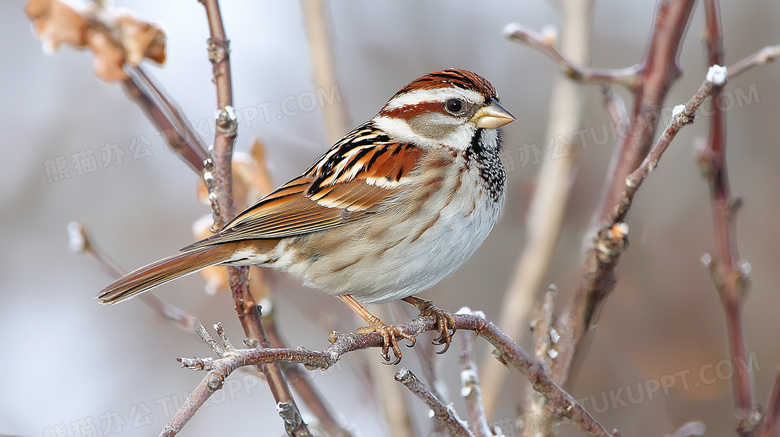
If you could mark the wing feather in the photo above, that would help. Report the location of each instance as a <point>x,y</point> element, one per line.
<point>354,179</point>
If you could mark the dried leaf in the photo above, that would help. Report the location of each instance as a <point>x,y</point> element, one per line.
<point>114,37</point>
<point>109,59</point>
<point>140,39</point>
<point>56,23</point>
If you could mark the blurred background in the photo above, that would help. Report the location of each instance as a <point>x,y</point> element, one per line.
<point>71,365</point>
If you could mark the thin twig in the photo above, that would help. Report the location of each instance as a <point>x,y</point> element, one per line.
<point>184,141</point>
<point>210,341</point>
<point>762,57</point>
<point>187,147</point>
<point>656,73</point>
<point>390,397</point>
<point>682,115</point>
<point>545,337</point>
<point>611,241</point>
<point>547,208</point>
<point>561,404</point>
<point>307,392</point>
<point>616,108</point>
<point>443,413</point>
<point>770,426</point>
<point>82,242</point>
<point>426,353</point>
<point>625,76</point>
<point>208,385</point>
<point>296,375</point>
<point>730,279</point>
<point>470,389</point>
<point>222,153</point>
<point>316,19</point>
<point>227,125</point>
<point>598,268</point>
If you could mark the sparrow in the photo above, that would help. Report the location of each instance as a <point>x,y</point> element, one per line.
<point>391,209</point>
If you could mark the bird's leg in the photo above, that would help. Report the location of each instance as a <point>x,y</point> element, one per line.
<point>445,324</point>
<point>389,332</point>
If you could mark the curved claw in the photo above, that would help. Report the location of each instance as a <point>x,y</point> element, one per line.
<point>445,325</point>
<point>444,321</point>
<point>390,335</point>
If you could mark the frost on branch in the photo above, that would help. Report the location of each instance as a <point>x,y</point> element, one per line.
<point>716,75</point>
<point>77,237</point>
<point>115,37</point>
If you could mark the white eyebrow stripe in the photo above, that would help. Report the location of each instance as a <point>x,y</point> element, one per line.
<point>437,94</point>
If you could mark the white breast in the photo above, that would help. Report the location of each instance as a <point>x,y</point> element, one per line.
<point>401,251</point>
<point>446,209</point>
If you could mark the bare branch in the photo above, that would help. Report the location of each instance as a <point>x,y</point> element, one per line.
<point>770,426</point>
<point>82,242</point>
<point>762,57</point>
<point>682,115</point>
<point>212,382</point>
<point>547,208</point>
<point>209,340</point>
<point>657,71</point>
<point>611,240</point>
<point>470,389</point>
<point>561,404</point>
<point>222,153</point>
<point>307,392</point>
<point>729,275</point>
<point>193,155</point>
<point>616,108</point>
<point>444,413</point>
<point>544,337</point>
<point>626,76</point>
<point>315,15</point>
<point>426,353</point>
<point>166,115</point>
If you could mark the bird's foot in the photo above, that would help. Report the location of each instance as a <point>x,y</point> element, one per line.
<point>390,334</point>
<point>445,323</point>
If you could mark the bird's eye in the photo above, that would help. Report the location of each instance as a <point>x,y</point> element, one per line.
<point>453,106</point>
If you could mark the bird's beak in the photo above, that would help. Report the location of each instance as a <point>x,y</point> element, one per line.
<point>492,116</point>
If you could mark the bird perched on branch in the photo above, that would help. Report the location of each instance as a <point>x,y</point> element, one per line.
<point>392,208</point>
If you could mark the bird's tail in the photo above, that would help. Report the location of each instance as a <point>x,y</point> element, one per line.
<point>165,270</point>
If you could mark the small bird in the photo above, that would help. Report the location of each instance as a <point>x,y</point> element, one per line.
<point>392,208</point>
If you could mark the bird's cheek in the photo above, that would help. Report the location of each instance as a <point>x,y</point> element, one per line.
<point>431,126</point>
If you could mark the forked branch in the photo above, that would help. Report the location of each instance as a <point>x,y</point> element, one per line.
<point>625,76</point>
<point>219,178</point>
<point>560,403</point>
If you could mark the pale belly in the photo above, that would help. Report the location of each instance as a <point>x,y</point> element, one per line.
<point>396,253</point>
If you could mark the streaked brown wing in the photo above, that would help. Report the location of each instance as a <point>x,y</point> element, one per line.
<point>348,183</point>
